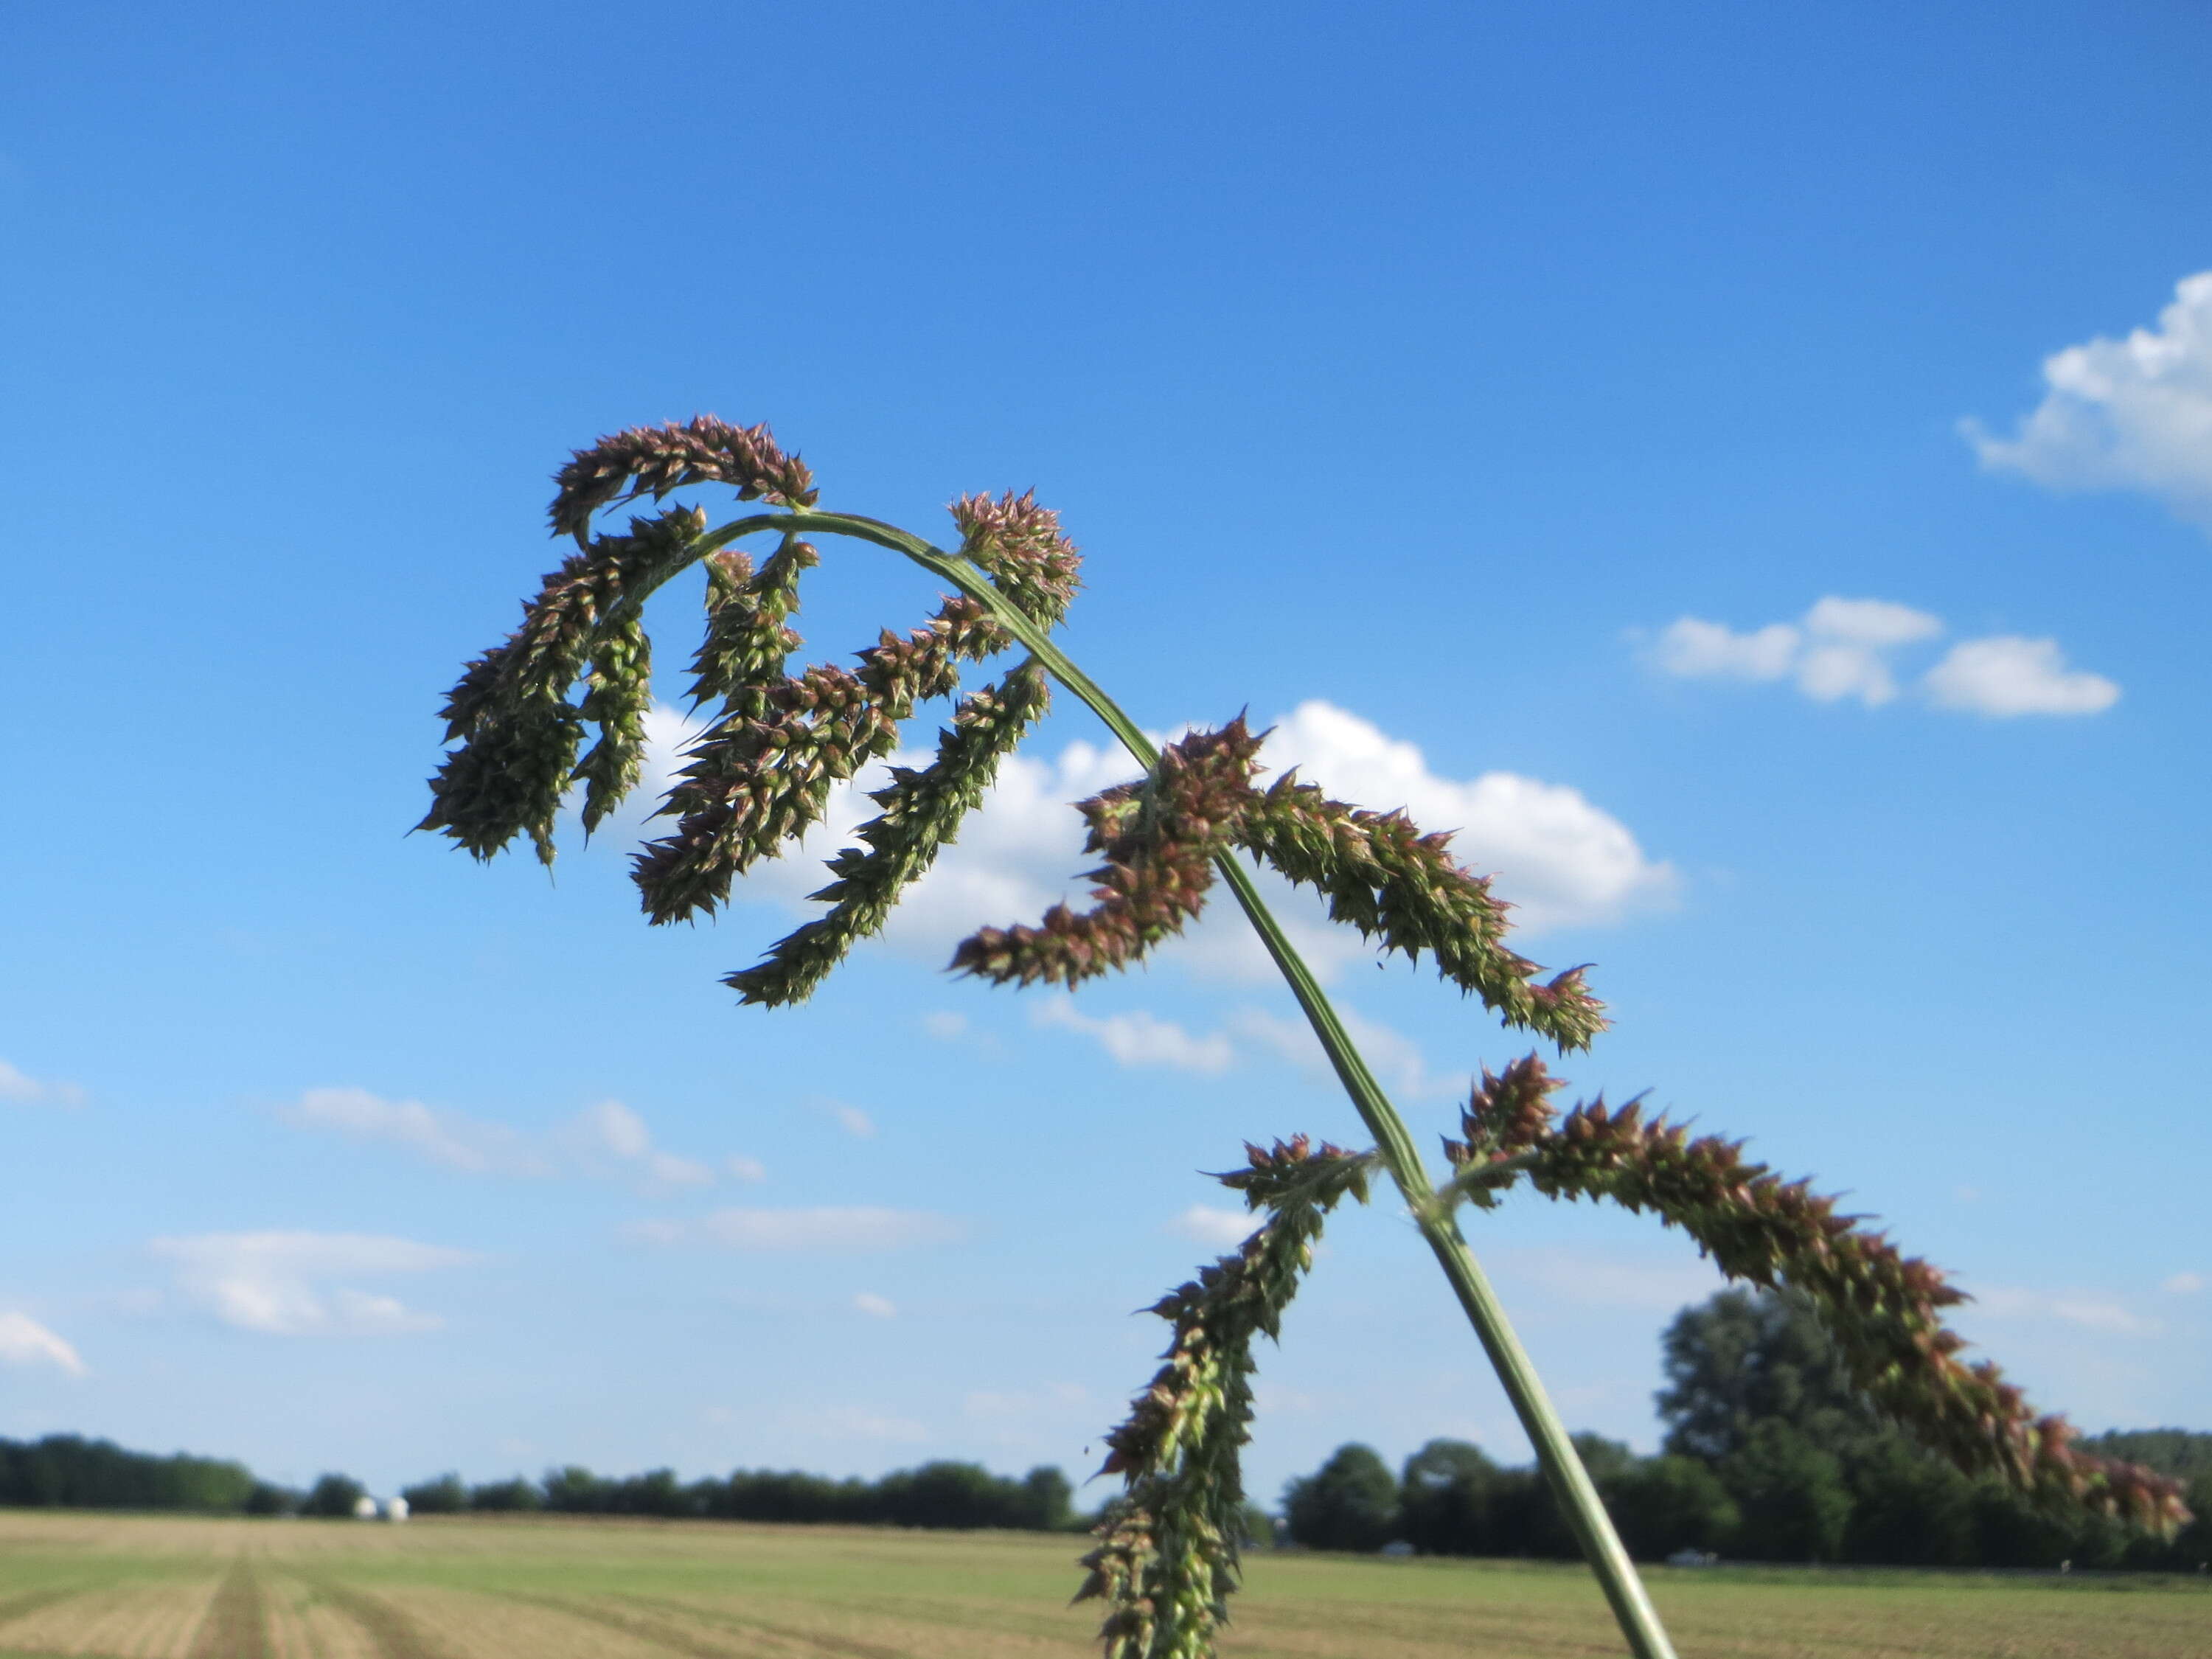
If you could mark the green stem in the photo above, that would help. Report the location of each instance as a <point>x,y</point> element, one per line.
<point>1563,1467</point>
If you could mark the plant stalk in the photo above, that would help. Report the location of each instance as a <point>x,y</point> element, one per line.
<point>1561,1464</point>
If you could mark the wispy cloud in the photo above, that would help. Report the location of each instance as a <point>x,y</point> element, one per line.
<point>608,1140</point>
<point>827,1228</point>
<point>284,1284</point>
<point>1138,1038</point>
<point>448,1139</point>
<point>1847,649</point>
<point>25,1342</point>
<point>2183,1284</point>
<point>19,1088</point>
<point>2133,414</point>
<point>877,1306</point>
<point>2086,1309</point>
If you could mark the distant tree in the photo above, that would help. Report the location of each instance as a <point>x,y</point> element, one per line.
<point>1350,1502</point>
<point>512,1494</point>
<point>333,1496</point>
<point>268,1498</point>
<point>1908,1508</point>
<point>1743,1357</point>
<point>1447,1494</point>
<point>1047,1499</point>
<point>575,1490</point>
<point>69,1471</point>
<point>1672,1502</point>
<point>1795,1506</point>
<point>445,1495</point>
<point>948,1494</point>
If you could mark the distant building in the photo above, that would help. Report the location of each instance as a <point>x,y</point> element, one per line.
<point>1692,1558</point>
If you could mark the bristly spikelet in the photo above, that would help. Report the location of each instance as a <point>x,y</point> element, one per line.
<point>659,459</point>
<point>1506,1114</point>
<point>518,734</point>
<point>762,773</point>
<point>1394,885</point>
<point>749,638</point>
<point>1166,1561</point>
<point>1159,838</point>
<point>620,691</point>
<point>1882,1306</point>
<point>1020,546</point>
<point>922,810</point>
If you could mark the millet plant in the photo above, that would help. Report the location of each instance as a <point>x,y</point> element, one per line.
<point>760,776</point>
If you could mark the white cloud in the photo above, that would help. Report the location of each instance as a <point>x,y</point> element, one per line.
<point>23,1090</point>
<point>24,1341</point>
<point>1220,1230</point>
<point>854,1122</point>
<point>1138,1038</point>
<point>944,1026</point>
<point>607,1139</point>
<point>446,1137</point>
<point>878,1306</point>
<point>842,1229</point>
<point>746,1169</point>
<point>2184,1284</point>
<point>1697,649</point>
<point>1846,648</point>
<point>2132,414</point>
<point>1840,648</point>
<point>278,1282</point>
<point>2006,676</point>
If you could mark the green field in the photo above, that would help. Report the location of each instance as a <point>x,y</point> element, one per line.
<point>148,1587</point>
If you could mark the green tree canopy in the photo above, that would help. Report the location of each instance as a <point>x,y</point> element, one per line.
<point>1746,1357</point>
<point>1350,1502</point>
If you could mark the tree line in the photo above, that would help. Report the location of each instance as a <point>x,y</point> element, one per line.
<point>937,1494</point>
<point>70,1472</point>
<point>1769,1455</point>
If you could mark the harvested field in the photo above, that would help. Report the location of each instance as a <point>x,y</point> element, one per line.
<point>143,1588</point>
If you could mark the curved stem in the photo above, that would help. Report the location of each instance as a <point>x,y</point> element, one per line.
<point>1563,1467</point>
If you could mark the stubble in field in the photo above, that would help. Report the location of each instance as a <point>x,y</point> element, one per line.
<point>133,1587</point>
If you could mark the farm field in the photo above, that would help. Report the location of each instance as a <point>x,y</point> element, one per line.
<point>153,1588</point>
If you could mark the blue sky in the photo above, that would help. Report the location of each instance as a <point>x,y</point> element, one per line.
<point>1750,471</point>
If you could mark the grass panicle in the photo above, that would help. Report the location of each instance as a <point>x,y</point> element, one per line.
<point>1165,1563</point>
<point>1882,1306</point>
<point>1159,837</point>
<point>1020,545</point>
<point>652,460</point>
<point>517,732</point>
<point>748,636</point>
<point>922,810</point>
<point>762,773</point>
<point>761,777</point>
